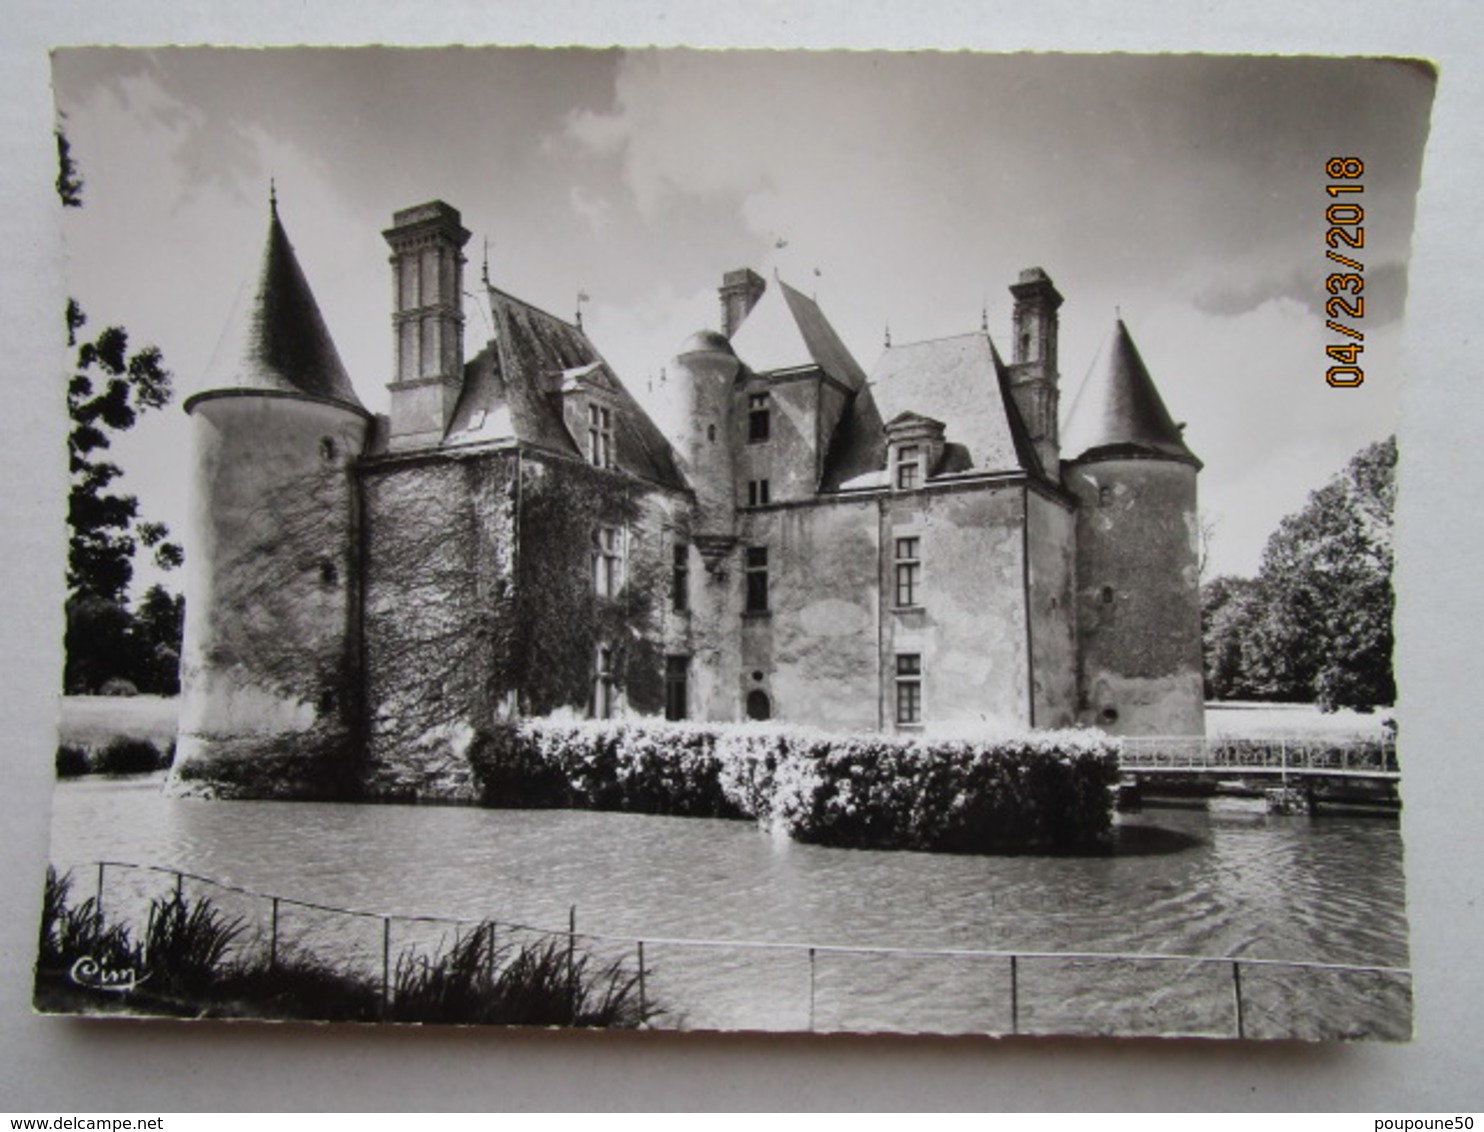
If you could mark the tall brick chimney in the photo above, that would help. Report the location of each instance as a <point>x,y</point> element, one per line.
<point>740,290</point>
<point>427,321</point>
<point>1034,380</point>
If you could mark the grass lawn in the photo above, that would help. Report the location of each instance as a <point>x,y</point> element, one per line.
<point>90,722</point>
<point>1240,720</point>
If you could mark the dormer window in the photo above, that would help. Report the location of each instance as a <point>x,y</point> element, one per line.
<point>914,447</point>
<point>599,436</point>
<point>759,414</point>
<point>909,467</point>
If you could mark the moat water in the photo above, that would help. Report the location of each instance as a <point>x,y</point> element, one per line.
<point>1230,881</point>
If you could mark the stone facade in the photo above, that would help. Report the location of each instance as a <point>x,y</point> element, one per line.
<point>906,549</point>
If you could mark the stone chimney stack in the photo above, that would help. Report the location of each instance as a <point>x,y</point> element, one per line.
<point>427,321</point>
<point>740,290</point>
<point>1034,380</point>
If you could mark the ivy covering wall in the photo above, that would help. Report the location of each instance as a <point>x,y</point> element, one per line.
<point>482,603</point>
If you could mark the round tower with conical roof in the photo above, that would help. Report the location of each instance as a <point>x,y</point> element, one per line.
<point>270,666</point>
<point>1138,583</point>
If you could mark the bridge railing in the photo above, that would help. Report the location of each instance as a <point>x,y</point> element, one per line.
<point>1346,754</point>
<point>735,984</point>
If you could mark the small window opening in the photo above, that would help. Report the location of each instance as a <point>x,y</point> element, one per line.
<point>328,449</point>
<point>759,417</point>
<point>599,436</point>
<point>909,688</point>
<point>909,467</point>
<point>677,671</point>
<point>908,571</point>
<point>1107,595</point>
<point>604,697</point>
<point>328,575</point>
<point>608,561</point>
<point>757,579</point>
<point>758,705</point>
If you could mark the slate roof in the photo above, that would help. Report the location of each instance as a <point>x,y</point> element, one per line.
<point>787,330</point>
<point>512,392</point>
<point>959,380</point>
<point>276,340</point>
<point>1118,411</point>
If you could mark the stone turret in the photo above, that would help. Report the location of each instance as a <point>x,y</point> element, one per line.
<point>270,675</point>
<point>1138,584</point>
<point>704,376</point>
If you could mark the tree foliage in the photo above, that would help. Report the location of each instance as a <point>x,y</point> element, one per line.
<point>1315,625</point>
<point>107,390</point>
<point>69,181</point>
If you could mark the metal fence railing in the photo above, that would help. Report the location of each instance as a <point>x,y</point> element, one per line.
<point>772,985</point>
<point>1358,757</point>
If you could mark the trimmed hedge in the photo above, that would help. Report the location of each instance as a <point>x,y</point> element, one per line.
<point>641,767</point>
<point>1027,791</point>
<point>121,755</point>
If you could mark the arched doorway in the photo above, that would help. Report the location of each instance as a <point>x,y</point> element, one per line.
<point>758,705</point>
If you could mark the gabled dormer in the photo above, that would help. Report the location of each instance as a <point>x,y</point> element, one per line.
<point>914,449</point>
<point>797,379</point>
<point>592,410</point>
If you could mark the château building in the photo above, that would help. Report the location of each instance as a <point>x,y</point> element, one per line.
<point>789,536</point>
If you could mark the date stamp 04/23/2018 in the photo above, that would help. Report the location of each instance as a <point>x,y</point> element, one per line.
<point>1346,220</point>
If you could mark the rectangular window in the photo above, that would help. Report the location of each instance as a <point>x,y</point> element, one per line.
<point>607,561</point>
<point>909,687</point>
<point>680,579</point>
<point>677,670</point>
<point>909,467</point>
<point>603,695</point>
<point>757,579</point>
<point>758,414</point>
<point>909,571</point>
<point>757,493</point>
<point>599,436</point>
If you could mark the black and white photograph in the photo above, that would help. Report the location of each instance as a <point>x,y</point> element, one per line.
<point>720,540</point>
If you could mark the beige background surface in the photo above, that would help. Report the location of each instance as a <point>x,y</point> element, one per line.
<point>59,1065</point>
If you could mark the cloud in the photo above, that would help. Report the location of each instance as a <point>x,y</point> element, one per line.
<point>1385,292</point>
<point>593,208</point>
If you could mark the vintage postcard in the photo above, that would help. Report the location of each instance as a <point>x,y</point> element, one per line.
<point>725,540</point>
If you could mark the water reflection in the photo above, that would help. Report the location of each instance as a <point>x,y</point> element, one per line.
<point>1180,881</point>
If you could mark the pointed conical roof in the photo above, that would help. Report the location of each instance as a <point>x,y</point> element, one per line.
<point>1118,411</point>
<point>276,340</point>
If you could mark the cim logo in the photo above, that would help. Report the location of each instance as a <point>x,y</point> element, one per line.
<point>89,972</point>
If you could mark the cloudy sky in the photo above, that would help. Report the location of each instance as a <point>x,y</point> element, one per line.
<point>901,189</point>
